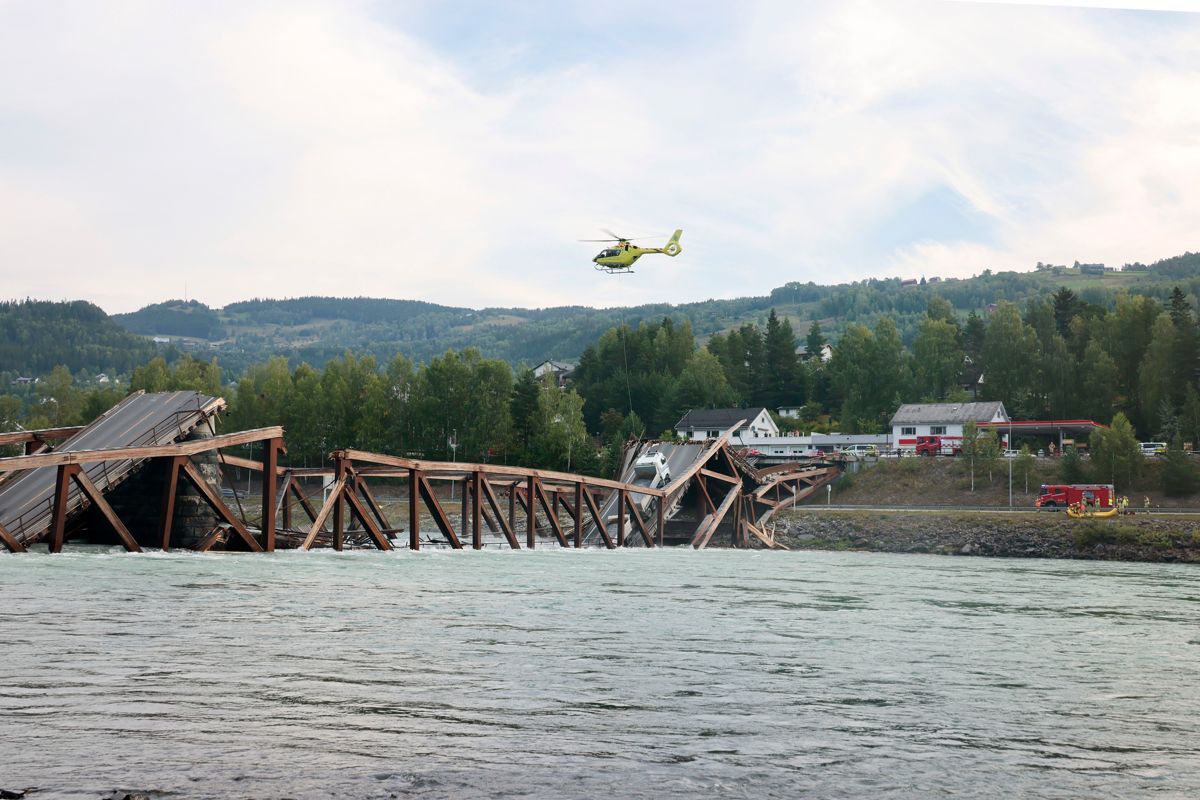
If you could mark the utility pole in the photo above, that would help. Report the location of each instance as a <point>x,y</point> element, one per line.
<point>1007,455</point>
<point>452,442</point>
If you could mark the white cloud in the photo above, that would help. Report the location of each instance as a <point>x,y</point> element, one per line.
<point>311,148</point>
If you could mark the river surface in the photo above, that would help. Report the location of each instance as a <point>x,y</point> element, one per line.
<point>557,674</point>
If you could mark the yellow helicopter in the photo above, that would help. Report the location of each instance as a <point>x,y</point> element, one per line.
<point>620,257</point>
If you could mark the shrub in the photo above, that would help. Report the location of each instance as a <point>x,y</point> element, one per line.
<point>1091,532</point>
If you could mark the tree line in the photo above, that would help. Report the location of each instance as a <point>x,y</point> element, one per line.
<point>1059,356</point>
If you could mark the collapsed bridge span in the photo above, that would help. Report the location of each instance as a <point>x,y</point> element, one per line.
<point>123,479</point>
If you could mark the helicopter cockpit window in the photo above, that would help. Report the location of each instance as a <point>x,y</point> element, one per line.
<point>608,253</point>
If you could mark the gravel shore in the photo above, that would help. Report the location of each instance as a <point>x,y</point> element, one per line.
<point>1018,535</point>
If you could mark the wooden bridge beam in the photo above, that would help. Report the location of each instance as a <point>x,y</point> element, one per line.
<point>271,450</point>
<point>10,541</point>
<point>599,522</point>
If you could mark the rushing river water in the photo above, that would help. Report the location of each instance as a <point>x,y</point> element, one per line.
<point>596,674</point>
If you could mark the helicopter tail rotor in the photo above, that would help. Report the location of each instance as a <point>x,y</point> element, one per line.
<point>673,248</point>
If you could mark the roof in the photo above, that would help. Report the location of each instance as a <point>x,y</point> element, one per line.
<point>1038,427</point>
<point>558,366</point>
<point>925,413</point>
<point>715,418</point>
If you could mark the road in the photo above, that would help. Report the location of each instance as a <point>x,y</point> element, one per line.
<point>140,419</point>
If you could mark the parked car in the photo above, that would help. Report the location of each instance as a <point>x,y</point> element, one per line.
<point>1152,448</point>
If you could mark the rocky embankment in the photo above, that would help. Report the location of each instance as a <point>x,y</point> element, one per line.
<point>1016,535</point>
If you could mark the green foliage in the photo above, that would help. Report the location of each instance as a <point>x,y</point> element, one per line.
<point>36,336</point>
<point>187,374</point>
<point>1090,532</point>
<point>1026,466</point>
<point>870,372</point>
<point>1178,475</point>
<point>1009,348</point>
<point>174,318</point>
<point>1115,455</point>
<point>1070,467</point>
<point>939,357</point>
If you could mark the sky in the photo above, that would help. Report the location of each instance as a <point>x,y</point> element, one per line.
<point>455,152</point>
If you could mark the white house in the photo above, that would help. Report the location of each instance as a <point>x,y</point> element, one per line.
<point>708,423</point>
<point>940,419</point>
<point>561,371</point>
<point>826,353</point>
<point>791,412</point>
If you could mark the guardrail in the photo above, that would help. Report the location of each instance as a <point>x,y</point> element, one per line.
<point>1134,510</point>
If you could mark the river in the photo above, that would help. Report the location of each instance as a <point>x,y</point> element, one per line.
<point>558,674</point>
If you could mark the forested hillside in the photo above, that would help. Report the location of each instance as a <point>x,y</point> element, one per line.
<point>36,336</point>
<point>174,318</point>
<point>317,329</point>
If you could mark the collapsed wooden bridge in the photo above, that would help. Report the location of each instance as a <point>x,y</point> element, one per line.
<point>100,481</point>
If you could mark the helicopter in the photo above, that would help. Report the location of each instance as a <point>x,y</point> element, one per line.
<point>620,258</point>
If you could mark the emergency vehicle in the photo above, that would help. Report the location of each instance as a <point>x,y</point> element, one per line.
<point>1061,495</point>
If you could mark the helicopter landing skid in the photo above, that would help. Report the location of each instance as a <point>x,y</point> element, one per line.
<point>614,270</point>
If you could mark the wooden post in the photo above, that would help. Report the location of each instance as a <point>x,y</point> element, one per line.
<point>10,541</point>
<point>662,518</point>
<point>578,514</point>
<point>171,485</point>
<point>531,513</point>
<point>464,524</point>
<point>476,510</point>
<point>512,507</point>
<point>270,462</point>
<point>414,509</point>
<point>339,505</point>
<point>58,524</point>
<point>285,512</point>
<point>621,501</point>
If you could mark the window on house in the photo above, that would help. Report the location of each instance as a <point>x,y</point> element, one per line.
<point>713,434</point>
<point>937,430</point>
<point>908,431</point>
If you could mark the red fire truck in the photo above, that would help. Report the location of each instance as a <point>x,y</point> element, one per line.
<point>1099,495</point>
<point>938,446</point>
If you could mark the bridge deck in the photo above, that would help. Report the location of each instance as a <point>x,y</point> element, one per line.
<point>27,498</point>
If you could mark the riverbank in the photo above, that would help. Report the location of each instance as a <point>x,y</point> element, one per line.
<point>1141,537</point>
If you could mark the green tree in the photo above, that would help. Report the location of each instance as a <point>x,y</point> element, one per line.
<point>1066,308</point>
<point>1097,382</point>
<point>1189,416</point>
<point>815,340</point>
<point>1115,454</point>
<point>1157,372</point>
<point>702,384</point>
<point>1070,466</point>
<point>869,372</point>
<point>60,398</point>
<point>1129,328</point>
<point>938,356</point>
<point>939,308</point>
<point>560,438</point>
<point>1185,352</point>
<point>1178,475</point>
<point>1009,348</point>
<point>782,367</point>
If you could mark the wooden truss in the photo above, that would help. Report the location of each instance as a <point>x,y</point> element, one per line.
<point>70,468</point>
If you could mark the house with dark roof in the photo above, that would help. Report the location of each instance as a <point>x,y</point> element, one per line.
<point>941,419</point>
<point>708,423</point>
<point>561,370</point>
